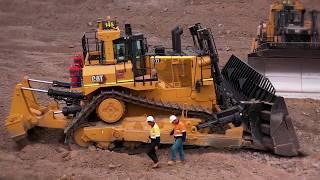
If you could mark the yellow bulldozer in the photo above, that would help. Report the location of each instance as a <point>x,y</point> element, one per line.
<point>117,82</point>
<point>287,50</point>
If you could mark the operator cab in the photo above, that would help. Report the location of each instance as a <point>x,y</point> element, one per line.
<point>291,25</point>
<point>109,46</point>
<point>133,47</point>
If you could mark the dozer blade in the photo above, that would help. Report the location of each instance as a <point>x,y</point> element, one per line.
<point>266,118</point>
<point>294,72</point>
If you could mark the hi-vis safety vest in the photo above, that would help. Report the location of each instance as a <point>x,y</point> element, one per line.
<point>155,131</point>
<point>109,24</point>
<point>179,129</point>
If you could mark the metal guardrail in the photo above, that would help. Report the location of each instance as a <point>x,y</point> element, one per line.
<point>91,43</point>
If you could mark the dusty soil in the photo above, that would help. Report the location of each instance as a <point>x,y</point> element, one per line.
<point>38,38</point>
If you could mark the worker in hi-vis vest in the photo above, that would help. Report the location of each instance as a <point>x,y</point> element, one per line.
<point>155,141</point>
<point>180,134</point>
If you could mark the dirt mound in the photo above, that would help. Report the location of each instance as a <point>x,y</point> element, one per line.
<point>39,151</point>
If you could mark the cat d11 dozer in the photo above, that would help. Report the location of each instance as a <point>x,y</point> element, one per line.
<point>287,50</point>
<point>118,82</point>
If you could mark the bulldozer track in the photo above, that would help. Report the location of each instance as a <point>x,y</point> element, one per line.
<point>199,112</point>
<point>264,142</point>
<point>82,116</point>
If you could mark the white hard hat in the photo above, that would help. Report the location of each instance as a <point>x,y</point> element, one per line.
<point>172,118</point>
<point>150,119</point>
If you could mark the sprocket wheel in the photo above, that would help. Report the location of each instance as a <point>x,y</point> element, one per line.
<point>111,110</point>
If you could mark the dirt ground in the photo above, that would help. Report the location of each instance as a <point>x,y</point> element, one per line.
<point>39,37</point>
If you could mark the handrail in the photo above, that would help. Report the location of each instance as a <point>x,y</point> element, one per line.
<point>90,39</point>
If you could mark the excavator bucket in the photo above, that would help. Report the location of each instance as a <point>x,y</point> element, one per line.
<point>267,122</point>
<point>293,69</point>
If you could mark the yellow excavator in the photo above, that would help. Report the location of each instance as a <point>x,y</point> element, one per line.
<point>287,50</point>
<point>117,82</point>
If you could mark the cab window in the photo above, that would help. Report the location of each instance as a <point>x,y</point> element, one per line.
<point>138,51</point>
<point>120,52</point>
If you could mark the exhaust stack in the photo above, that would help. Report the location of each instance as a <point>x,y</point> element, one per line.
<point>176,39</point>
<point>128,29</point>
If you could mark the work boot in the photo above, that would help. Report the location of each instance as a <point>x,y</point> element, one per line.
<point>156,165</point>
<point>170,163</point>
